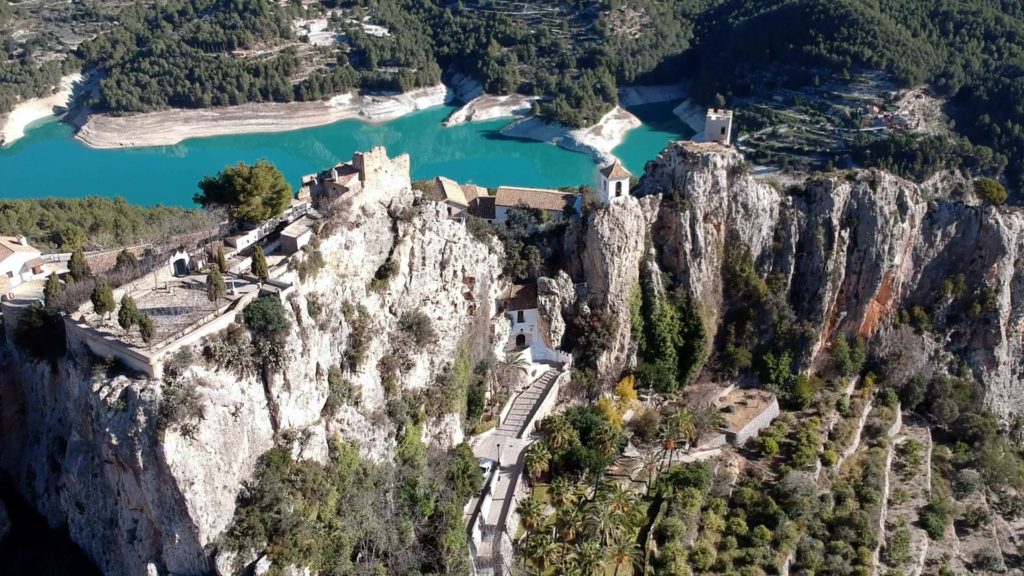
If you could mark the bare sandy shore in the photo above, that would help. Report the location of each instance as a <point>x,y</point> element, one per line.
<point>170,127</point>
<point>12,127</point>
<point>491,107</point>
<point>598,140</point>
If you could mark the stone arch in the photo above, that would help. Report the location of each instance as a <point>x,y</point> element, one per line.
<point>520,340</point>
<point>180,267</point>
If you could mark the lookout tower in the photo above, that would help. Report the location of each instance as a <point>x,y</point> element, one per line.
<point>718,126</point>
<point>614,183</point>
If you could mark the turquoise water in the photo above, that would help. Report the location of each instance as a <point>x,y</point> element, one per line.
<point>49,162</point>
<point>660,127</point>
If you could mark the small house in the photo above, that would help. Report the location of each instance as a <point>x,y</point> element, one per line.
<point>296,235</point>
<point>19,261</point>
<point>554,203</point>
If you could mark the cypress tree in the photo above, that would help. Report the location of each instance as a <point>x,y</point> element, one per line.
<point>128,315</point>
<point>147,328</point>
<point>52,290</point>
<point>78,267</point>
<point>222,262</point>
<point>103,299</point>
<point>215,286</point>
<point>259,265</point>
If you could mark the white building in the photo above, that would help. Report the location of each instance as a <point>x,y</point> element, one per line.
<point>614,183</point>
<point>718,126</point>
<point>529,335</point>
<point>296,235</point>
<point>19,262</point>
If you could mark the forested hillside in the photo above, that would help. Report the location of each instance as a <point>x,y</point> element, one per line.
<point>575,53</point>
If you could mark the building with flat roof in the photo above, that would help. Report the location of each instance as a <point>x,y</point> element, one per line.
<point>296,235</point>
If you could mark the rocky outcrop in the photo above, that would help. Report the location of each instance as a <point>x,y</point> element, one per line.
<point>851,250</point>
<point>556,300</point>
<point>612,244</point>
<point>84,447</point>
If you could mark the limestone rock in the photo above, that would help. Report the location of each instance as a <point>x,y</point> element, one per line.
<point>613,244</point>
<point>85,449</point>
<point>851,251</point>
<point>556,298</point>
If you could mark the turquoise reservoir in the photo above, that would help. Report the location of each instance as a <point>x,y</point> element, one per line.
<point>48,161</point>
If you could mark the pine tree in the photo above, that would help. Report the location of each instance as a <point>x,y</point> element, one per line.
<point>222,262</point>
<point>128,315</point>
<point>103,299</point>
<point>78,267</point>
<point>215,286</point>
<point>259,265</point>
<point>52,290</point>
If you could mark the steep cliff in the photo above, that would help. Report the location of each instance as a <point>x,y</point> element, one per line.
<point>88,449</point>
<point>852,250</point>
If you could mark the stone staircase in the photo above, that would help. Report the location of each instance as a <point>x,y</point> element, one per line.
<point>526,404</point>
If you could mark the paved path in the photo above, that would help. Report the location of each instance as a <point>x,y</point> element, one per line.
<point>508,441</point>
<point>525,405</point>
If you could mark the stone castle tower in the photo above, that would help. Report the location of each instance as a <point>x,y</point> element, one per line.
<point>718,126</point>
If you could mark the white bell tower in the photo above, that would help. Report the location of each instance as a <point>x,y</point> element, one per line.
<point>614,183</point>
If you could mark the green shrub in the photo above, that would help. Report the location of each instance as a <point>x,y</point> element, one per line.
<point>991,191</point>
<point>339,393</point>
<point>646,424</point>
<point>936,515</point>
<point>266,316</point>
<point>768,446</point>
<point>180,407</point>
<point>147,328</point>
<point>358,340</point>
<point>418,325</point>
<point>40,333</point>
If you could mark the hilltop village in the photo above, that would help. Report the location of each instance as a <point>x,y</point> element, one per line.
<point>696,371</point>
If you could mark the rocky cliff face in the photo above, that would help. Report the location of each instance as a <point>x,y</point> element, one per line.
<point>852,250</point>
<point>84,448</point>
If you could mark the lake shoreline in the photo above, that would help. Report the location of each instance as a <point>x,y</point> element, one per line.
<point>170,127</point>
<point>25,113</point>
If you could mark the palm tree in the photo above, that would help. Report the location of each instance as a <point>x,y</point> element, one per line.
<point>650,458</point>
<point>562,494</point>
<point>541,551</point>
<point>567,566</point>
<point>558,433</point>
<point>590,558</point>
<point>623,552</point>
<point>569,522</point>
<point>623,503</point>
<point>680,428</point>
<point>606,441</point>
<point>537,461</point>
<point>531,514</point>
<point>513,363</point>
<point>600,522</point>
